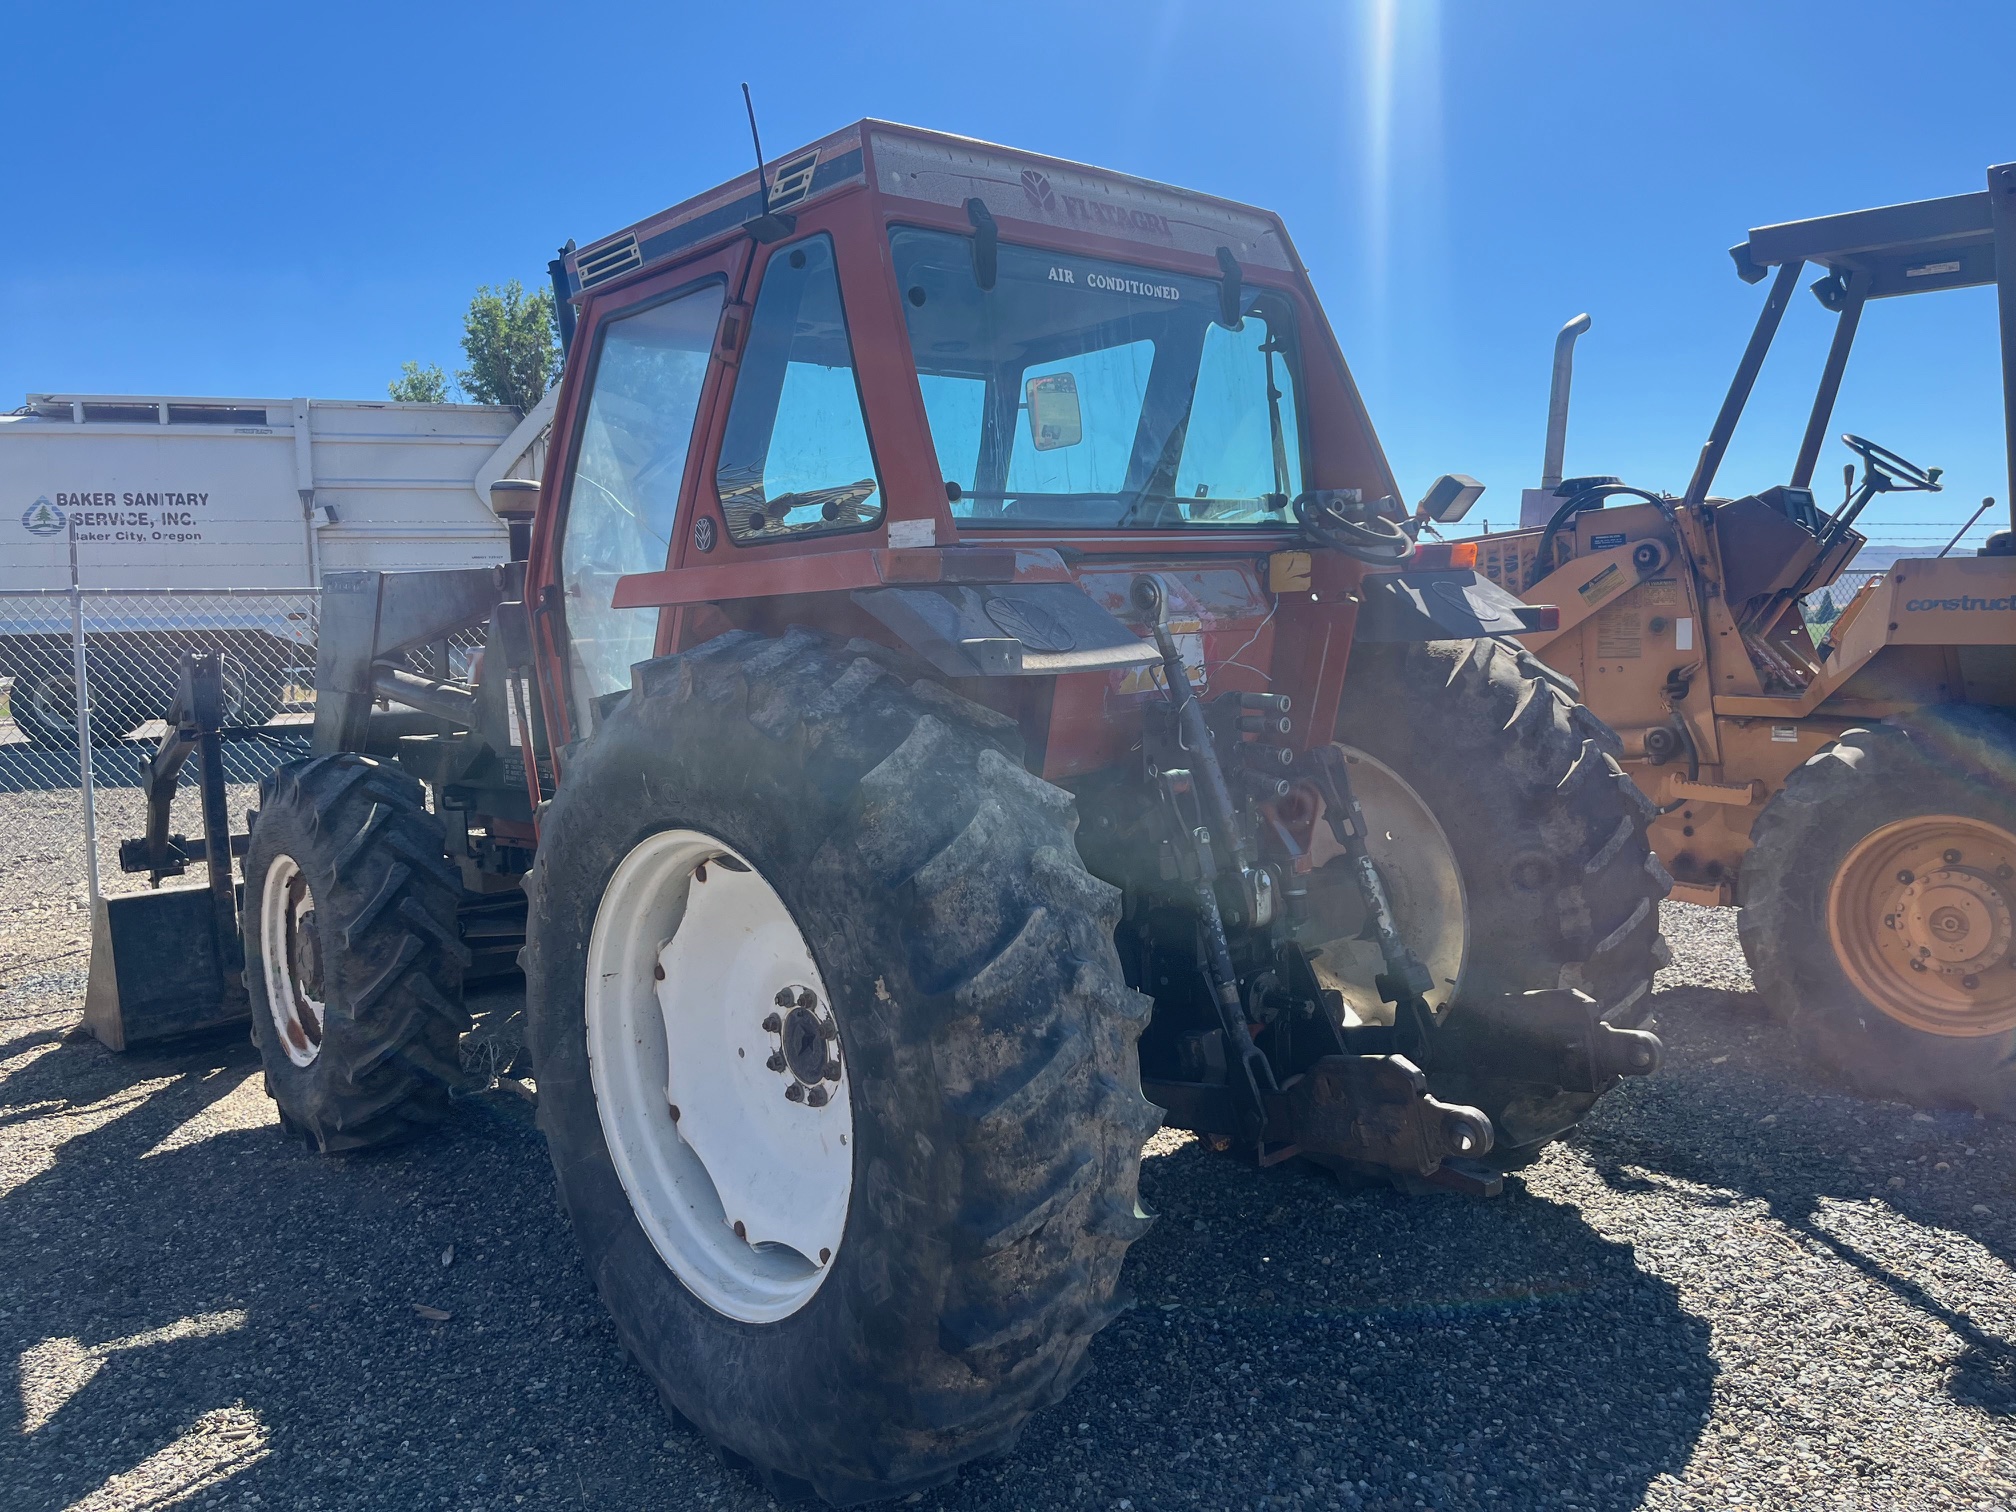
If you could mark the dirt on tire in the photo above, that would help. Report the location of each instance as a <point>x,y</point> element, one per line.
<point>988,1031</point>
<point>1953,759</point>
<point>384,919</point>
<point>1549,834</point>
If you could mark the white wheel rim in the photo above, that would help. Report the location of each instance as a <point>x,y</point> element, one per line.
<point>286,933</point>
<point>699,982</point>
<point>1423,883</point>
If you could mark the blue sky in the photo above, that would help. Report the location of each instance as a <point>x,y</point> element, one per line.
<point>210,199</point>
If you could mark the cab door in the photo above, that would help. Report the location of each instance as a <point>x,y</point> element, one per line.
<point>649,375</point>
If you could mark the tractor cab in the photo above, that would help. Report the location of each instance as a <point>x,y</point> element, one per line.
<point>901,361</point>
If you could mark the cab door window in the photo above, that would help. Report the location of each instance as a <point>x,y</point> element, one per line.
<point>627,472</point>
<point>795,458</point>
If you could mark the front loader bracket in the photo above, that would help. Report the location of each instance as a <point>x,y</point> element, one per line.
<point>168,963</point>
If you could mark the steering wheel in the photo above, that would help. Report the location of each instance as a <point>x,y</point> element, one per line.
<point>1890,471</point>
<point>1329,520</point>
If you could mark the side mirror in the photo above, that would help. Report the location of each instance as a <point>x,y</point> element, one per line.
<point>1054,417</point>
<point>514,498</point>
<point>515,501</point>
<point>1449,498</point>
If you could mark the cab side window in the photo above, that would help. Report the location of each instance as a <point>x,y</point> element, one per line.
<point>795,457</point>
<point>625,489</point>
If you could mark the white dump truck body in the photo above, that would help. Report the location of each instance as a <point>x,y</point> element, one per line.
<point>169,492</point>
<point>237,506</point>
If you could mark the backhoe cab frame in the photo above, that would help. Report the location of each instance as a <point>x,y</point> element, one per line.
<point>1712,587</point>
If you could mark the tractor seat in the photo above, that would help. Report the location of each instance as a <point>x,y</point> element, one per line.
<point>2002,543</point>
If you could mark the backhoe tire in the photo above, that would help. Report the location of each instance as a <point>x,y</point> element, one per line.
<point>1830,925</point>
<point>984,1026</point>
<point>1560,888</point>
<point>352,960</point>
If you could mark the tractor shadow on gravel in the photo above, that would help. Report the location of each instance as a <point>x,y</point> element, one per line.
<point>1329,1347</point>
<point>1738,1115</point>
<point>1291,1339</point>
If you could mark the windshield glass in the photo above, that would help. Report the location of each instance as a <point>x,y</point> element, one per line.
<point>1083,393</point>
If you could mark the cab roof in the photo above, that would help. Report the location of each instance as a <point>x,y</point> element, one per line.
<point>931,168</point>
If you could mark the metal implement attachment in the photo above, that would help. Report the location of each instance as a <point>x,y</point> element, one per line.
<point>167,963</point>
<point>1377,1109</point>
<point>1406,981</point>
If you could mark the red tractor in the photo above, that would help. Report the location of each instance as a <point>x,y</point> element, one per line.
<point>972,697</point>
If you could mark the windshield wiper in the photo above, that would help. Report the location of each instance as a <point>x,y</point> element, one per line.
<point>1268,348</point>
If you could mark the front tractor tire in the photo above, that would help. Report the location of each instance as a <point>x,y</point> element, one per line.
<point>1877,907</point>
<point>1514,847</point>
<point>835,1062</point>
<point>352,959</point>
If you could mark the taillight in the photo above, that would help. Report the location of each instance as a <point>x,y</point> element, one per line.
<point>1435,554</point>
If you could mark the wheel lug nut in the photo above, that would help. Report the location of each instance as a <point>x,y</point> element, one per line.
<point>785,998</point>
<point>816,1098</point>
<point>741,1232</point>
<point>828,1030</point>
<point>1951,857</point>
<point>1904,877</point>
<point>1916,964</point>
<point>1970,982</point>
<point>808,1000</point>
<point>773,1024</point>
<point>776,1061</point>
<point>831,1070</point>
<point>796,1093</point>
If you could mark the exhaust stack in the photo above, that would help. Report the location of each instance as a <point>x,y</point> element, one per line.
<point>1557,400</point>
<point>1537,505</point>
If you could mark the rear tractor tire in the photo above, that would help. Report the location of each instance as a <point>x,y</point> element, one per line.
<point>1513,846</point>
<point>835,1062</point>
<point>352,960</point>
<point>1878,900</point>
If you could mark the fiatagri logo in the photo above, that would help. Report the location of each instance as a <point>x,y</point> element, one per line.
<point>43,518</point>
<point>1097,214</point>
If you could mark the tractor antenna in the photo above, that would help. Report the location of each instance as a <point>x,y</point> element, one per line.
<point>767,226</point>
<point>762,184</point>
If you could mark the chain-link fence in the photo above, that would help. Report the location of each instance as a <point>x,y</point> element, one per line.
<point>86,680</point>
<point>1838,593</point>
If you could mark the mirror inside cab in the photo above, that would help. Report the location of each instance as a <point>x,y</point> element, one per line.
<point>1448,498</point>
<point>1054,417</point>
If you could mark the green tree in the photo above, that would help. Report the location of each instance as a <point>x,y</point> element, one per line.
<point>513,346</point>
<point>418,385</point>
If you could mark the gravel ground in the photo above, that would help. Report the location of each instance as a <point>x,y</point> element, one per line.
<point>1734,1288</point>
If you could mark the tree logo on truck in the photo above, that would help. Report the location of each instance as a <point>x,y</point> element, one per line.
<point>43,518</point>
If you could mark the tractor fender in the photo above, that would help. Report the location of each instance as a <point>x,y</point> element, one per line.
<point>1007,630</point>
<point>1454,604</point>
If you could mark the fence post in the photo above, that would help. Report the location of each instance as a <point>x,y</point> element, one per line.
<point>87,789</point>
